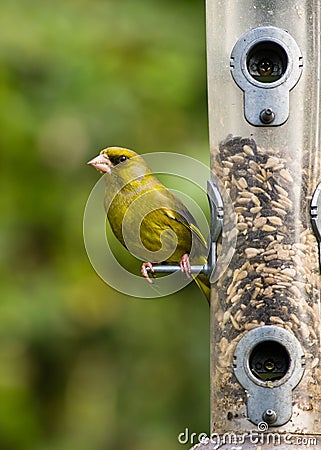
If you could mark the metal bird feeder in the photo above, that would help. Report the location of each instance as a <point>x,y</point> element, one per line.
<point>264,114</point>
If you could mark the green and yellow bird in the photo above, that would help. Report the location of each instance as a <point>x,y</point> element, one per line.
<point>147,218</point>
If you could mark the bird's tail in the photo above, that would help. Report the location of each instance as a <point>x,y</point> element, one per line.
<point>201,279</point>
<point>203,283</point>
<point>199,258</point>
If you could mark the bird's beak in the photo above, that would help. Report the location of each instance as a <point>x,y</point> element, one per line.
<point>101,163</point>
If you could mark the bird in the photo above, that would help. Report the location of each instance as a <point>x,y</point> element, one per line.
<point>147,218</point>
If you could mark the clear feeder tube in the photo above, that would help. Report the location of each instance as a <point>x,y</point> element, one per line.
<point>271,171</point>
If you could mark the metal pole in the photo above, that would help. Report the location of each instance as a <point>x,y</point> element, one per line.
<point>264,94</point>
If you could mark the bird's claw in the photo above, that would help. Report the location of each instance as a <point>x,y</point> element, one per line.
<point>185,265</point>
<point>145,272</point>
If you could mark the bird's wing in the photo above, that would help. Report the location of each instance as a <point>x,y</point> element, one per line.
<point>170,205</point>
<point>176,210</point>
<point>184,217</point>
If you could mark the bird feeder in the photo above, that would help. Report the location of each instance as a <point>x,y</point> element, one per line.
<point>264,95</point>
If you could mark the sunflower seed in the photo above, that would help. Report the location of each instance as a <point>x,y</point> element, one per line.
<point>286,175</point>
<point>275,220</point>
<point>251,252</point>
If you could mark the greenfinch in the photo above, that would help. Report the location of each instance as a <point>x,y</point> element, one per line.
<point>147,218</point>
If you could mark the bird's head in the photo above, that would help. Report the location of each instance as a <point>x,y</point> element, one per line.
<point>111,157</point>
<point>121,162</point>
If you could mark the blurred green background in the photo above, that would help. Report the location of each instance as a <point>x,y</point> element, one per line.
<point>83,367</point>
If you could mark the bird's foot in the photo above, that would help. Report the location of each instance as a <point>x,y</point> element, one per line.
<point>145,272</point>
<point>185,265</point>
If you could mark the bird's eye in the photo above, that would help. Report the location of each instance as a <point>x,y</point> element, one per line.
<point>122,158</point>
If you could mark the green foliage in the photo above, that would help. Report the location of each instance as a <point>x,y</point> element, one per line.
<point>82,366</point>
